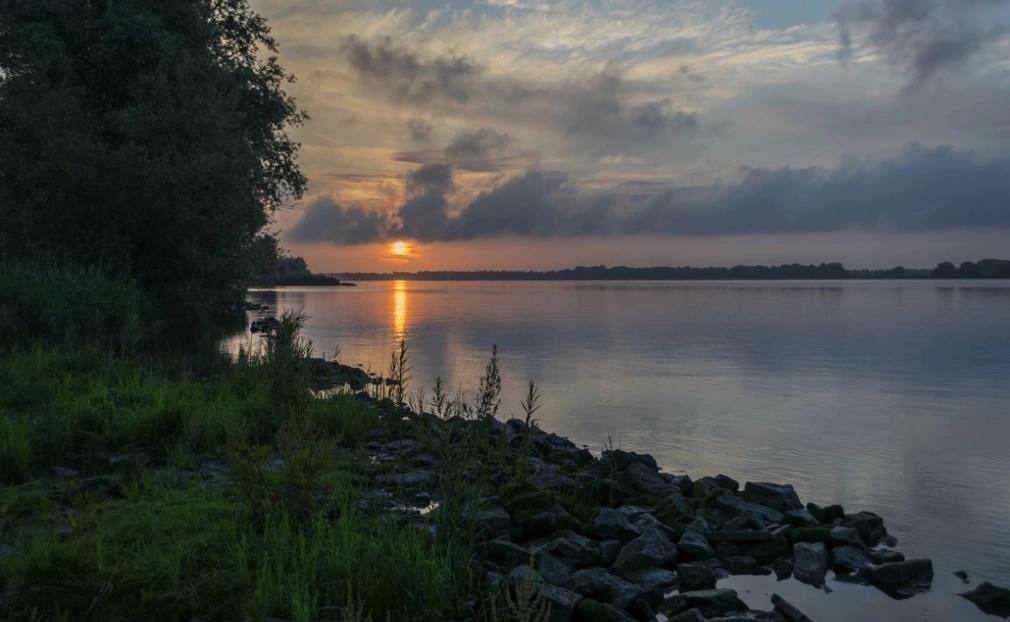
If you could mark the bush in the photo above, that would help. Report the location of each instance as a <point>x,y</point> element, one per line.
<point>68,307</point>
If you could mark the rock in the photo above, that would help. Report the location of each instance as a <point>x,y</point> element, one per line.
<point>675,500</point>
<point>609,550</point>
<point>714,603</point>
<point>991,599</point>
<point>695,577</point>
<point>885,556</point>
<point>849,559</point>
<point>742,564</point>
<point>601,585</point>
<point>523,574</point>
<point>644,479</point>
<point>97,486</point>
<point>645,522</point>
<point>691,615</point>
<point>693,543</point>
<point>960,574</point>
<point>503,552</point>
<point>620,459</point>
<point>727,549</point>
<point>420,477</point>
<point>492,524</point>
<point>720,535</point>
<point>681,482</point>
<point>810,562</point>
<point>730,506</point>
<point>615,525</point>
<point>781,497</point>
<point>653,578</point>
<point>788,610</point>
<point>771,549</point>
<point>889,541</point>
<point>869,525</point>
<point>783,568</point>
<point>827,514</point>
<point>561,602</point>
<point>845,535</point>
<point>800,518</point>
<point>589,610</point>
<point>727,483</point>
<point>62,473</point>
<point>544,522</point>
<point>404,444</point>
<point>649,550</point>
<point>576,548</point>
<point>902,579</point>
<point>552,569</point>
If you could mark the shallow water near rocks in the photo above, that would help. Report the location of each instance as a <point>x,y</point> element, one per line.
<point>890,396</point>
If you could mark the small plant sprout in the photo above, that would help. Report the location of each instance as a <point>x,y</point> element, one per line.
<point>399,373</point>
<point>439,399</point>
<point>489,391</point>
<point>530,405</point>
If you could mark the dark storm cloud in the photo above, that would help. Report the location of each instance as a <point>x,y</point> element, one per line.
<point>325,221</point>
<point>406,76</point>
<point>921,189</point>
<point>923,36</point>
<point>481,150</point>
<point>478,143</point>
<point>419,130</point>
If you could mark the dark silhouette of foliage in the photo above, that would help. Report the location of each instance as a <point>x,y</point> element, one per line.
<point>146,138</point>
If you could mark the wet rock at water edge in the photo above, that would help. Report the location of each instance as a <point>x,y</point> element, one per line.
<point>788,610</point>
<point>870,526</point>
<point>902,579</point>
<point>654,578</point>
<point>849,559</point>
<point>810,562</point>
<point>991,599</point>
<point>695,577</point>
<point>781,497</point>
<point>960,574</point>
<point>839,536</point>
<point>714,603</point>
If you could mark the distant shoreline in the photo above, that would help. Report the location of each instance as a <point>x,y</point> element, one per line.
<point>984,269</point>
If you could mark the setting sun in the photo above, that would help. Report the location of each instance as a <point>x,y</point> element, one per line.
<point>399,248</point>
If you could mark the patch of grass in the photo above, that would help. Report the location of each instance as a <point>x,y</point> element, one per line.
<point>15,449</point>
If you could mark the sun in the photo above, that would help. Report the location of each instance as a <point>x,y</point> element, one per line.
<point>399,248</point>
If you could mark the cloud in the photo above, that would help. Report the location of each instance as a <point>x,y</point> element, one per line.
<point>405,76</point>
<point>478,143</point>
<point>481,150</point>
<point>323,220</point>
<point>919,189</point>
<point>923,37</point>
<point>419,130</point>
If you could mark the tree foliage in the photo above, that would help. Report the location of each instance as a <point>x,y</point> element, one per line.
<point>143,137</point>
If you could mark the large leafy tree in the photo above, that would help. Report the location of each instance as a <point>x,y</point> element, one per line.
<point>145,137</point>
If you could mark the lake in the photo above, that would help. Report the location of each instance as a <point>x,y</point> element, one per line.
<point>890,396</point>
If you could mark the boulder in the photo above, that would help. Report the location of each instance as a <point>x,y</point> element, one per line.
<point>653,578</point>
<point>771,549</point>
<point>695,577</point>
<point>612,524</point>
<point>649,550</point>
<point>800,518</point>
<point>552,569</point>
<point>902,579</point>
<point>677,502</point>
<point>561,602</point>
<point>885,556</point>
<point>598,584</point>
<point>620,459</point>
<point>691,615</point>
<point>589,610</point>
<point>693,542</point>
<point>419,477</point>
<point>840,536</point>
<point>849,559</point>
<point>576,548</point>
<point>492,524</point>
<point>870,526</point>
<point>991,599</point>
<point>788,610</point>
<point>742,564</point>
<point>783,568</point>
<point>609,550</point>
<point>543,523</point>
<point>714,603</point>
<point>644,479</point>
<point>681,482</point>
<point>503,552</point>
<point>781,497</point>
<point>827,514</point>
<point>722,535</point>
<point>810,562</point>
<point>728,506</point>
<point>726,482</point>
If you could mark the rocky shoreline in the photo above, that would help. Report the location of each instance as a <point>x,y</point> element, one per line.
<point>651,545</point>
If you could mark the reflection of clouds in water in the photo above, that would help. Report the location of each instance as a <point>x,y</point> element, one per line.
<point>882,396</point>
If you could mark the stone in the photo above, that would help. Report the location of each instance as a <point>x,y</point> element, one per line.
<point>902,579</point>
<point>727,549</point>
<point>960,574</point>
<point>781,497</point>
<point>523,574</point>
<point>727,483</point>
<point>714,603</point>
<point>788,610</point>
<point>419,477</point>
<point>740,523</point>
<point>720,535</point>
<point>503,552</point>
<point>492,524</point>
<point>681,482</point>
<point>695,577</point>
<point>729,506</point>
<point>771,549</point>
<point>742,564</point>
<point>677,501</point>
<point>621,459</point>
<point>783,568</point>
<point>800,518</point>
<point>404,444</point>
<point>561,602</point>
<point>645,522</point>
<point>849,559</point>
<point>612,524</point>
<point>653,578</point>
<point>810,562</point>
<point>609,550</point>
<point>885,556</point>
<point>991,599</point>
<point>597,583</point>
<point>693,542</point>
<point>544,523</point>
<point>644,479</point>
<point>870,526</point>
<point>649,550</point>
<point>827,514</point>
<point>590,610</point>
<point>62,473</point>
<point>691,615</point>
<point>552,569</point>
<point>580,550</point>
<point>840,536</point>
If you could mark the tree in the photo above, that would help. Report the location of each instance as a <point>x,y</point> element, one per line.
<point>144,137</point>
<point>945,270</point>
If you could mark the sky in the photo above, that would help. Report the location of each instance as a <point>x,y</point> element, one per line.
<point>525,134</point>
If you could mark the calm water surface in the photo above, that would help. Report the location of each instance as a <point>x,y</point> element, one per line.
<point>892,396</point>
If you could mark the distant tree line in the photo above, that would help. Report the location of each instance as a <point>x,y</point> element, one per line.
<point>987,268</point>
